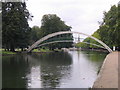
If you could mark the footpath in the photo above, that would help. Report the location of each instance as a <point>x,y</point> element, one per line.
<point>108,76</point>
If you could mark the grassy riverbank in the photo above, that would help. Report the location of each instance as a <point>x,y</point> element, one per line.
<point>2,51</point>
<point>42,50</point>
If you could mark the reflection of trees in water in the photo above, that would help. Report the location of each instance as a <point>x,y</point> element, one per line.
<point>14,69</point>
<point>94,56</point>
<point>63,58</point>
<point>54,67</point>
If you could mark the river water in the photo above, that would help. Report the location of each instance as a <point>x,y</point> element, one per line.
<point>73,69</point>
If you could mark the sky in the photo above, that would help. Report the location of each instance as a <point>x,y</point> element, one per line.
<point>81,15</point>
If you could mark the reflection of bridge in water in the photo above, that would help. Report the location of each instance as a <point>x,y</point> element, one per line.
<point>38,43</point>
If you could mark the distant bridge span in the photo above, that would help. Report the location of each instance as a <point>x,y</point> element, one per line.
<point>69,41</point>
<point>65,32</point>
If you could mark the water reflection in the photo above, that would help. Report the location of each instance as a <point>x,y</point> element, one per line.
<point>95,58</point>
<point>75,69</point>
<point>53,67</point>
<point>14,69</point>
<point>35,70</point>
<point>85,68</point>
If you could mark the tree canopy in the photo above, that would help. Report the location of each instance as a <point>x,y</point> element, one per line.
<point>109,29</point>
<point>51,23</point>
<point>35,34</point>
<point>15,28</point>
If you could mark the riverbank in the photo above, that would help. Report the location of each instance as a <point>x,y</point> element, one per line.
<point>90,49</point>
<point>93,49</point>
<point>108,76</point>
<point>17,51</point>
<point>2,52</point>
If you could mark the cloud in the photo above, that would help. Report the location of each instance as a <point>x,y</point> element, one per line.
<point>82,15</point>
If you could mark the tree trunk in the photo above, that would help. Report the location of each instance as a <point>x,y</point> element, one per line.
<point>12,48</point>
<point>5,49</point>
<point>21,49</point>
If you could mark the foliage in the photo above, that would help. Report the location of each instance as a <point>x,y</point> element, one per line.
<point>118,28</point>
<point>6,52</point>
<point>0,29</point>
<point>41,50</point>
<point>15,30</point>
<point>109,29</point>
<point>51,23</point>
<point>90,41</point>
<point>35,34</point>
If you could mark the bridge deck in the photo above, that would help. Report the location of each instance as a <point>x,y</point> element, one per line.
<point>108,76</point>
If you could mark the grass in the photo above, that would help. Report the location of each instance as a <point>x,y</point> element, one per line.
<point>45,50</point>
<point>57,50</point>
<point>41,50</point>
<point>2,51</point>
<point>18,49</point>
<point>6,52</point>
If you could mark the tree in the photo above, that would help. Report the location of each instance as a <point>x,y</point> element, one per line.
<point>35,34</point>
<point>118,27</point>
<point>0,30</point>
<point>90,41</point>
<point>15,30</point>
<point>51,23</point>
<point>109,29</point>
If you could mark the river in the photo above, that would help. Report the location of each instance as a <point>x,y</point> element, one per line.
<point>73,69</point>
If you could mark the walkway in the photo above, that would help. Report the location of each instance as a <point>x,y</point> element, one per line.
<point>108,76</point>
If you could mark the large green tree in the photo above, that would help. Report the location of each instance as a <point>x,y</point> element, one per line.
<point>35,34</point>
<point>118,27</point>
<point>51,23</point>
<point>90,42</point>
<point>109,30</point>
<point>15,28</point>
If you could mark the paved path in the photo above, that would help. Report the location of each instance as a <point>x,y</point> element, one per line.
<point>108,76</point>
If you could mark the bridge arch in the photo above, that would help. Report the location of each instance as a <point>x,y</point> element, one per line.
<point>69,41</point>
<point>65,32</point>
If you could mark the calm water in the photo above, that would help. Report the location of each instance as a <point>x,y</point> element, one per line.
<point>75,69</point>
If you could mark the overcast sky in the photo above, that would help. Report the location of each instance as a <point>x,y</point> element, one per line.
<point>81,15</point>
